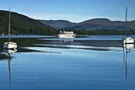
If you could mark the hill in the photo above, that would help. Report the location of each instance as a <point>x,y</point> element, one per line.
<point>21,24</point>
<point>58,24</point>
<point>95,24</point>
<point>98,24</point>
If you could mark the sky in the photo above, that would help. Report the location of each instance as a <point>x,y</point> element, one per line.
<point>71,10</point>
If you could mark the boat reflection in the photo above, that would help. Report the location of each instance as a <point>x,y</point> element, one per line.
<point>9,53</point>
<point>127,48</point>
<point>66,40</point>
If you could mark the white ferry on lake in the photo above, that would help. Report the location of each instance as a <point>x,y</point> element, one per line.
<point>66,34</point>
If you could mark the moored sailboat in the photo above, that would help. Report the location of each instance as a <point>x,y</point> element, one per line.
<point>9,44</point>
<point>127,39</point>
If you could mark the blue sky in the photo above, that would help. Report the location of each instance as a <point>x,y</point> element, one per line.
<point>72,10</point>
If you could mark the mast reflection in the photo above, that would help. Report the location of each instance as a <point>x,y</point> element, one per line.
<point>127,48</point>
<point>9,57</point>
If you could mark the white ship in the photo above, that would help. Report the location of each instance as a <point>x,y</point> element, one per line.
<point>66,34</point>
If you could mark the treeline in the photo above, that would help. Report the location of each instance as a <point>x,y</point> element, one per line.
<point>104,32</point>
<point>21,24</point>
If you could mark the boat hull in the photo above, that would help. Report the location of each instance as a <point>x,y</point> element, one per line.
<point>66,35</point>
<point>10,45</point>
<point>128,40</point>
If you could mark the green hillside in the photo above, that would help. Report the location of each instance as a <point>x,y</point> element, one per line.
<point>21,24</point>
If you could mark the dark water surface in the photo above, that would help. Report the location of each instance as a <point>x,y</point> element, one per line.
<point>83,63</point>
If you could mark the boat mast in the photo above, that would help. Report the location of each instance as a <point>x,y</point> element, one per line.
<point>9,36</point>
<point>126,21</point>
<point>126,15</point>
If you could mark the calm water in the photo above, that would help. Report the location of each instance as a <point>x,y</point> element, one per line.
<point>83,63</point>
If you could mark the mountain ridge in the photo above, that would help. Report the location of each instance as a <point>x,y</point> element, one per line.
<point>22,24</point>
<point>94,24</point>
<point>58,24</point>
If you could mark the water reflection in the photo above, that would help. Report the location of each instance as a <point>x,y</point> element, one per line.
<point>127,48</point>
<point>8,53</point>
<point>66,43</point>
<point>72,62</point>
<point>66,40</point>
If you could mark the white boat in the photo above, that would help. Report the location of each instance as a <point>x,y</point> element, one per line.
<point>127,39</point>
<point>9,44</point>
<point>66,34</point>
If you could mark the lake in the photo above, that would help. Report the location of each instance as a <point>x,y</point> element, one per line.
<point>83,63</point>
